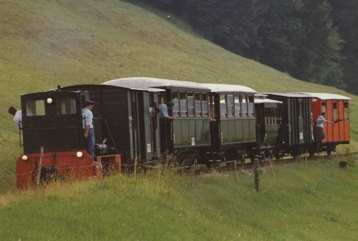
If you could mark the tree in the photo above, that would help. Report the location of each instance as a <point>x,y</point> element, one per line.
<point>295,36</point>
<point>345,14</point>
<point>281,34</point>
<point>232,24</point>
<point>319,58</point>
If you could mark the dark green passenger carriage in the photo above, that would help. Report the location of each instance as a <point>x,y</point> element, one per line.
<point>233,122</point>
<point>188,103</point>
<point>268,122</point>
<point>296,129</point>
<point>191,126</point>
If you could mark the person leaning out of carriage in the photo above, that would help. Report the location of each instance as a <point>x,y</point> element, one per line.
<point>165,118</point>
<point>164,110</point>
<point>88,127</point>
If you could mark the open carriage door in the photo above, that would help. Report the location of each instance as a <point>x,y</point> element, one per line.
<point>150,134</point>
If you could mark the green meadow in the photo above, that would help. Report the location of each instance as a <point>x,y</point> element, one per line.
<point>313,201</point>
<point>45,43</point>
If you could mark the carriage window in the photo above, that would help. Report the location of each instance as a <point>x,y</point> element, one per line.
<point>198,108</point>
<point>251,106</point>
<point>244,108</point>
<point>176,108</point>
<point>223,110</point>
<point>212,112</point>
<point>346,110</point>
<point>335,112</point>
<point>183,106</point>
<point>35,108</point>
<point>323,108</point>
<point>205,106</point>
<point>279,119</point>
<point>237,106</point>
<point>230,105</point>
<point>191,107</point>
<point>67,106</point>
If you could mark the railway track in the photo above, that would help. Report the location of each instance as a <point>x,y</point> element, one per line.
<point>229,166</point>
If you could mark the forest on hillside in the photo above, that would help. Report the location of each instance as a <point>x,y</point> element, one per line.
<point>313,40</point>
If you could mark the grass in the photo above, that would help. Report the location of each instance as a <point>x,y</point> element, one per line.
<point>313,201</point>
<point>45,43</point>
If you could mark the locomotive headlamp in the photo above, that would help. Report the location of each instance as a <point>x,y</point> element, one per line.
<point>24,158</point>
<point>79,154</point>
<point>49,100</point>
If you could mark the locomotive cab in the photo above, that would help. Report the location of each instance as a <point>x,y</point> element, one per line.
<point>53,142</point>
<point>52,120</point>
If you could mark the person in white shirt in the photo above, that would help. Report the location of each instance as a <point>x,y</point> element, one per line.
<point>320,131</point>
<point>163,111</point>
<point>88,127</point>
<point>17,116</point>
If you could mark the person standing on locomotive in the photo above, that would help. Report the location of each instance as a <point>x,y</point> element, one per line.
<point>87,117</point>
<point>17,115</point>
<point>165,119</point>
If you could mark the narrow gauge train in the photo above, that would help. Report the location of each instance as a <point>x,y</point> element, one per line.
<point>211,122</point>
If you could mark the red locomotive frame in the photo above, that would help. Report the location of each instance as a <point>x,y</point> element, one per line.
<point>65,165</point>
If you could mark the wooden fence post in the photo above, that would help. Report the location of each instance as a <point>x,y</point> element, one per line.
<point>235,170</point>
<point>257,175</point>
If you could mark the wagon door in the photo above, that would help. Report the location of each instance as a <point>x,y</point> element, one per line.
<point>260,124</point>
<point>150,131</point>
<point>300,133</point>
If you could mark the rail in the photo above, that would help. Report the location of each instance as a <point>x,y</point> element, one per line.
<point>8,175</point>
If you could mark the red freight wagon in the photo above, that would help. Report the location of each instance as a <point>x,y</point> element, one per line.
<point>337,127</point>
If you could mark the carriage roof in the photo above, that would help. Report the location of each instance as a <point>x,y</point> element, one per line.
<point>147,83</point>
<point>227,88</point>
<point>326,96</point>
<point>289,95</point>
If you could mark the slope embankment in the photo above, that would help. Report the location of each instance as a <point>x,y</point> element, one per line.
<point>305,201</point>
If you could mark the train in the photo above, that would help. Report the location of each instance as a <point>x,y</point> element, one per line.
<point>211,123</point>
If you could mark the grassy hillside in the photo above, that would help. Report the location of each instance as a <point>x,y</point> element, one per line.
<point>45,43</point>
<point>307,202</point>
